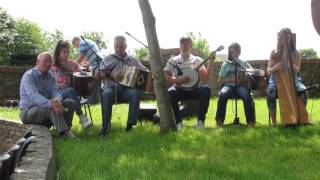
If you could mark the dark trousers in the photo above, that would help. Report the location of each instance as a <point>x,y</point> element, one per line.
<point>46,116</point>
<point>71,93</point>
<point>202,93</point>
<point>113,92</point>
<point>228,92</point>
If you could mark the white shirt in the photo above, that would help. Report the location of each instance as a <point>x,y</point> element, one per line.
<point>191,62</point>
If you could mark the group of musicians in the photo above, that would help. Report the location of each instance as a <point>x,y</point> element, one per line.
<point>47,97</point>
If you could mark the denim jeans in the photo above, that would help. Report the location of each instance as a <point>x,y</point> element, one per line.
<point>113,93</point>
<point>228,92</point>
<point>272,95</point>
<point>71,93</point>
<point>177,94</point>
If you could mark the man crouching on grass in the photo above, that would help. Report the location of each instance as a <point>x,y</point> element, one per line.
<point>40,101</point>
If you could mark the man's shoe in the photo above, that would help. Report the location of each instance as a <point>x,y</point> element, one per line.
<point>180,126</point>
<point>129,127</point>
<point>104,132</point>
<point>69,135</point>
<point>219,124</point>
<point>200,124</point>
<point>251,125</point>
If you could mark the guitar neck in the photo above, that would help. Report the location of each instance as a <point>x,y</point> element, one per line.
<point>204,61</point>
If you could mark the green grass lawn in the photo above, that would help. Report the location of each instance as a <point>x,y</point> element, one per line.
<point>229,153</point>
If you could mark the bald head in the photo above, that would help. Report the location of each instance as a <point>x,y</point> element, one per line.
<point>120,45</point>
<point>44,62</point>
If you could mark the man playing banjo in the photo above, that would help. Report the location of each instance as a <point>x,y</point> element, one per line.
<point>176,92</point>
<point>111,69</point>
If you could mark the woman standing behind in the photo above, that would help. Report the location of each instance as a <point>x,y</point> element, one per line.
<point>63,68</point>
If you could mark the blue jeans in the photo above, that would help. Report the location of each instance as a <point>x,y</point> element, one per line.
<point>122,94</point>
<point>228,92</point>
<point>202,93</point>
<point>272,95</point>
<point>69,92</point>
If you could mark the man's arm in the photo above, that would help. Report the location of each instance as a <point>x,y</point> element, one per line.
<point>80,58</point>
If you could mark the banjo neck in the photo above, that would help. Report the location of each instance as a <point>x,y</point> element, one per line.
<point>211,54</point>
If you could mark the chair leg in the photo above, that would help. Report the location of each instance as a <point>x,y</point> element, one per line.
<point>90,113</point>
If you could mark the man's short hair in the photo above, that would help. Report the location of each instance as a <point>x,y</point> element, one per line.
<point>184,39</point>
<point>75,39</point>
<point>120,38</point>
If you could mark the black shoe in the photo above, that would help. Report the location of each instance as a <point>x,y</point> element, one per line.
<point>129,127</point>
<point>104,132</point>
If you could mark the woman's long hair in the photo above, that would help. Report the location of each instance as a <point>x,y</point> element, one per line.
<point>59,47</point>
<point>292,40</point>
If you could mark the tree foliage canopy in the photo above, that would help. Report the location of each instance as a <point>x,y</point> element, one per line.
<point>308,53</point>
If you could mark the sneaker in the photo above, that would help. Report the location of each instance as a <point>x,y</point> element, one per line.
<point>84,121</point>
<point>180,126</point>
<point>200,124</point>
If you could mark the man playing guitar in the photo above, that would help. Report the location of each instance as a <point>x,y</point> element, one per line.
<point>177,93</point>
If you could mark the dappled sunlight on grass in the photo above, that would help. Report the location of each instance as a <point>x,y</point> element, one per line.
<point>212,153</point>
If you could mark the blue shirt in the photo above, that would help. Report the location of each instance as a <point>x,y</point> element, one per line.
<point>227,70</point>
<point>37,89</point>
<point>90,52</point>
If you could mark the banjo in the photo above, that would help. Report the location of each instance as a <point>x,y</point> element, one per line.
<point>193,73</point>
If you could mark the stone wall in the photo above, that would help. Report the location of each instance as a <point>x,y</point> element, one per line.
<point>38,162</point>
<point>10,78</point>
<point>10,133</point>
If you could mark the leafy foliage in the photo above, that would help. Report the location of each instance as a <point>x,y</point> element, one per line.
<point>7,33</point>
<point>30,38</point>
<point>308,53</point>
<point>200,43</point>
<point>97,37</point>
<point>53,38</point>
<point>141,53</point>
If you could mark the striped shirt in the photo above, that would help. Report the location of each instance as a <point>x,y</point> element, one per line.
<point>91,51</point>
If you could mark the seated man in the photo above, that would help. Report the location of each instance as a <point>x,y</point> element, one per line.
<point>229,90</point>
<point>176,93</point>
<point>111,69</point>
<point>40,101</point>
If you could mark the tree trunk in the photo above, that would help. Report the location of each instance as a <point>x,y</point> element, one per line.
<point>315,12</point>
<point>167,121</point>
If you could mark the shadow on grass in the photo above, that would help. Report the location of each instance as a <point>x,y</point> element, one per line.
<point>228,153</point>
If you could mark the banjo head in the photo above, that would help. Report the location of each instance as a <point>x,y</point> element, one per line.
<point>194,78</point>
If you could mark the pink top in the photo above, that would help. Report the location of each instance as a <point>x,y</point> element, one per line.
<point>64,72</point>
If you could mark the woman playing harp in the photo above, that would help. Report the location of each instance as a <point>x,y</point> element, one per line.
<point>285,82</point>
